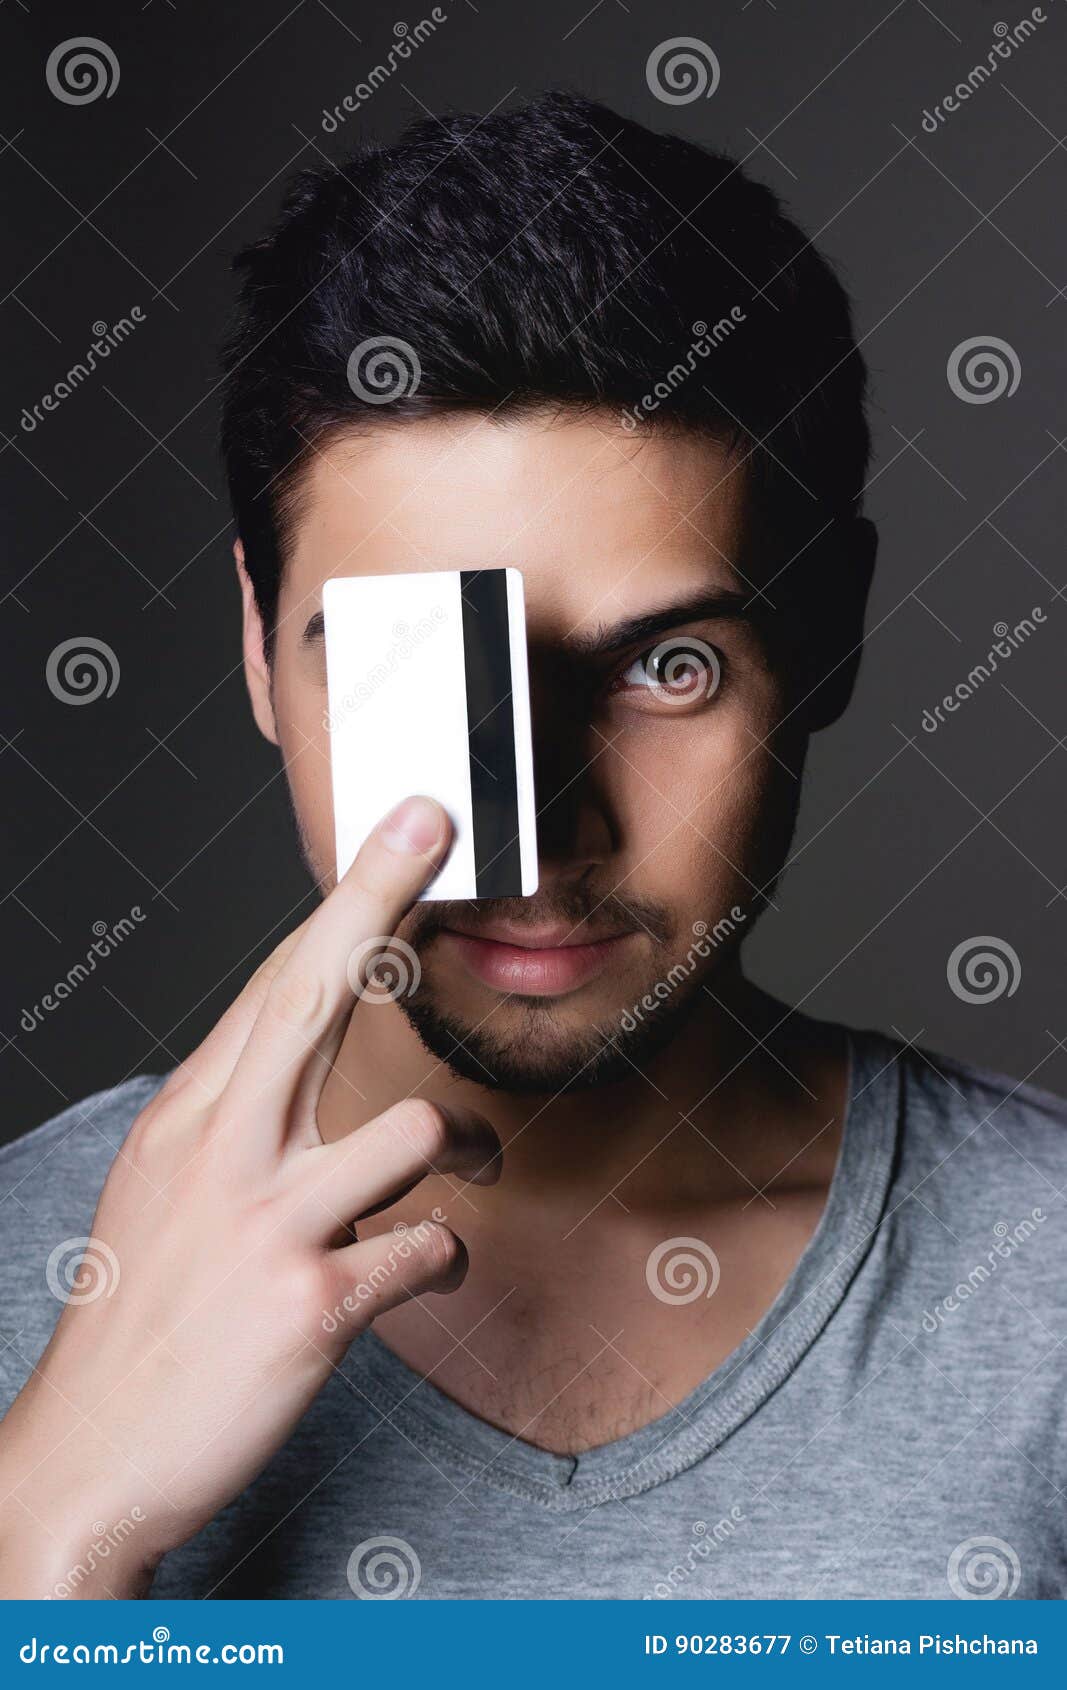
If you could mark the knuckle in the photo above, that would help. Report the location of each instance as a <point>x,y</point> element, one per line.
<point>174,1087</point>
<point>183,1092</point>
<point>132,1162</point>
<point>276,959</point>
<point>295,999</point>
<point>256,989</point>
<point>141,1149</point>
<point>423,1126</point>
<point>312,1290</point>
<point>260,983</point>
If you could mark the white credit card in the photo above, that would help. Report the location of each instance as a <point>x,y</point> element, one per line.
<point>429,692</point>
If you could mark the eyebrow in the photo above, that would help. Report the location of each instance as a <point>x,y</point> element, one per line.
<point>721,604</point>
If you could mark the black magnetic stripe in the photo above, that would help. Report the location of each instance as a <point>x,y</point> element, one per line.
<point>491,733</point>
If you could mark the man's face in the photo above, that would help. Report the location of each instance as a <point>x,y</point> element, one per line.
<point>666,787</point>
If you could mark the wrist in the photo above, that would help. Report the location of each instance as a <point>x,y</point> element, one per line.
<point>86,1559</point>
<point>65,1531</point>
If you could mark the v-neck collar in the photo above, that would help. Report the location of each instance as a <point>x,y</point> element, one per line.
<point>735,1390</point>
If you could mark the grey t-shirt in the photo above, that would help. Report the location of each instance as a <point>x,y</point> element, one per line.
<point>893,1427</point>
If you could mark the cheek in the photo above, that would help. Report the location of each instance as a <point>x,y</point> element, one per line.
<point>695,799</point>
<point>730,822</point>
<point>300,713</point>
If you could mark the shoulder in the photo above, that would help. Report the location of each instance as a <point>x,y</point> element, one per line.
<point>50,1180</point>
<point>973,1142</point>
<point>976,1211</point>
<point>957,1101</point>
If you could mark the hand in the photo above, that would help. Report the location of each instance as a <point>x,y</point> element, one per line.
<point>157,1404</point>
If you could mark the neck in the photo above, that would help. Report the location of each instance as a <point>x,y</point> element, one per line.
<point>741,1093</point>
<point>728,1138</point>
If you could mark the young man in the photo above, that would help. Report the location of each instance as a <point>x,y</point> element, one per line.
<point>703,1333</point>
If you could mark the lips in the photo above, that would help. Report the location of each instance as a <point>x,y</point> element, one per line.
<point>548,936</point>
<point>547,961</point>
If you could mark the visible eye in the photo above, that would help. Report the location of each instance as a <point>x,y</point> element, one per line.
<point>681,672</point>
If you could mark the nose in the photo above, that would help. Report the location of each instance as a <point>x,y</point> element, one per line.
<point>575,827</point>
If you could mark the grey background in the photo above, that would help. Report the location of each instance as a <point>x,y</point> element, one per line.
<point>115,526</point>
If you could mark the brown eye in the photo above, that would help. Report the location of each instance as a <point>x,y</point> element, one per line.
<point>681,672</point>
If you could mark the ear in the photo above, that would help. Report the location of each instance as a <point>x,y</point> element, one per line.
<point>849,573</point>
<point>257,669</point>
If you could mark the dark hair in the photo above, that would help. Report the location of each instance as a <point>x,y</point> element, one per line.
<point>553,255</point>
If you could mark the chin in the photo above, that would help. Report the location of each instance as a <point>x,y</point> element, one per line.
<point>531,1049</point>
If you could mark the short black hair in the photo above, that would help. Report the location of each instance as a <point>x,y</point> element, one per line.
<point>553,255</point>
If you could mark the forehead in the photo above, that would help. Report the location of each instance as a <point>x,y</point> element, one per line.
<point>597,519</point>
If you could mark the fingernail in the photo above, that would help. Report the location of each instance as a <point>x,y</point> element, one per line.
<point>414,826</point>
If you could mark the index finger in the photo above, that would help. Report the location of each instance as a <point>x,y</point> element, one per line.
<point>207,1068</point>
<point>305,1012</point>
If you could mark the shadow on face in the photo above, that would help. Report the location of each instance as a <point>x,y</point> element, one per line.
<point>668,745</point>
